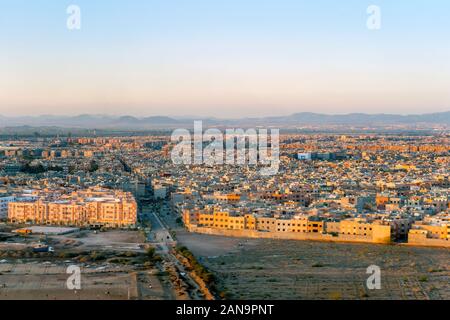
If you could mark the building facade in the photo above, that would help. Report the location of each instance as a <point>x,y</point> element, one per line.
<point>84,208</point>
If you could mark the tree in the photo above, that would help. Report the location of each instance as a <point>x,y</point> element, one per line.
<point>93,166</point>
<point>27,168</point>
<point>150,252</point>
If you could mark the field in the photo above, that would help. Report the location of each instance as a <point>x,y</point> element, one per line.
<point>277,269</point>
<point>47,281</point>
<point>112,266</point>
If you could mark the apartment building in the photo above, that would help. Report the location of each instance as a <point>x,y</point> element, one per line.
<point>4,201</point>
<point>361,227</point>
<point>82,208</point>
<point>432,231</point>
<point>348,230</point>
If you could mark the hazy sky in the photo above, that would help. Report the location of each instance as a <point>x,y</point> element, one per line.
<point>226,58</point>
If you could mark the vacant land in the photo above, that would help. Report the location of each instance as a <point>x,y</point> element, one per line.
<point>277,269</point>
<point>48,281</point>
<point>111,240</point>
<point>114,265</point>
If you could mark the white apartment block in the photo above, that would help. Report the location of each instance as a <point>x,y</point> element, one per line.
<point>4,206</point>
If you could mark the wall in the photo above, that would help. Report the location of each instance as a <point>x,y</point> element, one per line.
<point>422,240</point>
<point>286,235</point>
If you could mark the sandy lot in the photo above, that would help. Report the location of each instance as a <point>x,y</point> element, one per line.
<point>277,269</point>
<point>110,240</point>
<point>27,275</point>
<point>38,281</point>
<point>205,245</point>
<point>48,281</point>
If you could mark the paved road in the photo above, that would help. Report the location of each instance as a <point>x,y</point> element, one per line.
<point>159,234</point>
<point>162,239</point>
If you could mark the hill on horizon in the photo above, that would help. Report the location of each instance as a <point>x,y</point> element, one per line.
<point>302,118</point>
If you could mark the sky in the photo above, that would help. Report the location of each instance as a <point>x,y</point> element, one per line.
<point>224,58</point>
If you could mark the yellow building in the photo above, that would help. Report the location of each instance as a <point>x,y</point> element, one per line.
<point>432,231</point>
<point>429,235</point>
<point>346,230</point>
<point>376,231</point>
<point>225,220</point>
<point>231,198</point>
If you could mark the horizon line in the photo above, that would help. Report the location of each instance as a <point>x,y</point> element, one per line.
<point>218,117</point>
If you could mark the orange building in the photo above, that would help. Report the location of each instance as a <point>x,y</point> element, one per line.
<point>84,208</point>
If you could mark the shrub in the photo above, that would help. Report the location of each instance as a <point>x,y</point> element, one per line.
<point>96,256</point>
<point>130,254</point>
<point>150,252</point>
<point>336,296</point>
<point>317,265</point>
<point>198,268</point>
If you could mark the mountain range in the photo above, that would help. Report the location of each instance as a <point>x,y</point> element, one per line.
<point>298,119</point>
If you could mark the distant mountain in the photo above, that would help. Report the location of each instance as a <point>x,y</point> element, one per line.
<point>361,118</point>
<point>86,121</point>
<point>159,120</point>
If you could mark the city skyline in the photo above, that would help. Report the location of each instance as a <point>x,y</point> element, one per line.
<point>223,60</point>
<point>225,156</point>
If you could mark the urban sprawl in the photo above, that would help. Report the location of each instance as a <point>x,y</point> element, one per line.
<point>352,188</point>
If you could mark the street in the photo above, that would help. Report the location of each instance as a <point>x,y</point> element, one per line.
<point>163,241</point>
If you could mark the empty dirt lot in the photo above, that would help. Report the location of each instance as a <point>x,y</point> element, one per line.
<point>45,281</point>
<point>277,269</point>
<point>112,264</point>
